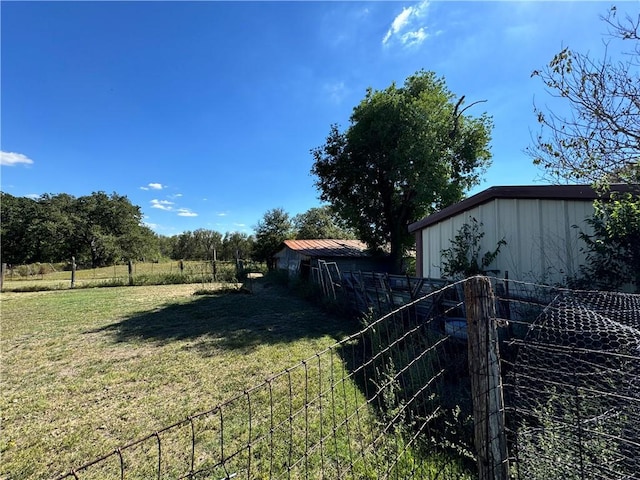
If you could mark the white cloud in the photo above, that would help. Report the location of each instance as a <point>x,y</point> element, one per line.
<point>185,212</point>
<point>398,23</point>
<point>161,204</point>
<point>414,38</point>
<point>408,27</point>
<point>336,91</point>
<point>222,214</point>
<point>11,159</point>
<point>153,186</point>
<point>33,196</point>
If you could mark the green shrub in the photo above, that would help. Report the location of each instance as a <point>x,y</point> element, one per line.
<point>462,259</point>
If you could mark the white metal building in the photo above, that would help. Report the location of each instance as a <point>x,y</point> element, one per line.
<point>541,225</point>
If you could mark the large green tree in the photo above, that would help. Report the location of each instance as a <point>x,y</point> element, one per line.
<point>408,152</point>
<point>106,226</point>
<point>319,222</point>
<point>274,227</point>
<point>97,229</point>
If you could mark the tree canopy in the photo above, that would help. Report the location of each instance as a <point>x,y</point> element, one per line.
<point>197,245</point>
<point>319,222</point>
<point>97,229</point>
<point>274,227</point>
<point>598,141</point>
<point>100,229</point>
<point>408,152</point>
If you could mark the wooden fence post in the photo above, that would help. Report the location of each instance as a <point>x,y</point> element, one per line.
<point>3,271</point>
<point>238,266</point>
<point>73,272</point>
<point>214,266</point>
<point>486,382</point>
<point>130,268</point>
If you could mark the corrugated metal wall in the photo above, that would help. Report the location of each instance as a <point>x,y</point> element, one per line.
<point>542,243</point>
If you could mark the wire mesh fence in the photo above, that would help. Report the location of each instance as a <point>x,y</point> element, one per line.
<point>382,403</point>
<point>535,383</point>
<point>572,383</point>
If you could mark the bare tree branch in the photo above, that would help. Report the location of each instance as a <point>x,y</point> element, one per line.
<point>599,142</point>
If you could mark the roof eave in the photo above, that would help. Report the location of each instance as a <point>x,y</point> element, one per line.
<point>542,192</point>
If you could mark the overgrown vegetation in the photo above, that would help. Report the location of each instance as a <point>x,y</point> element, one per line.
<point>613,249</point>
<point>406,365</point>
<point>562,433</point>
<point>462,259</point>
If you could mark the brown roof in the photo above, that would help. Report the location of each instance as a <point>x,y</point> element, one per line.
<point>328,248</point>
<point>546,192</point>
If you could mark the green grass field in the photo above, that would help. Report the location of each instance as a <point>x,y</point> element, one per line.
<point>88,370</point>
<point>54,277</point>
<point>85,371</point>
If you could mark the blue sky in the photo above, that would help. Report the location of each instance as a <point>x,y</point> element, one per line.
<point>203,113</point>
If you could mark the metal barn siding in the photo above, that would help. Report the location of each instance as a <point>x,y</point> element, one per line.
<point>542,239</point>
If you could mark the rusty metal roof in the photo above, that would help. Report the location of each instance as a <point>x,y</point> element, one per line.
<point>328,248</point>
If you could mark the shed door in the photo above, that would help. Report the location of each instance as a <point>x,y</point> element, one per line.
<point>305,269</point>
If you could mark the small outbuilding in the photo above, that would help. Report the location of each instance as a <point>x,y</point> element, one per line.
<point>299,257</point>
<point>541,225</point>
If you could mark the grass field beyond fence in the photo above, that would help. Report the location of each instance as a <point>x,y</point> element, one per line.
<point>85,371</point>
<point>39,277</point>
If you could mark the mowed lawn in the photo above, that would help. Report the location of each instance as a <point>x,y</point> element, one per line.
<point>86,371</point>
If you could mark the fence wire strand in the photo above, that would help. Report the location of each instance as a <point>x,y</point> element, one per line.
<point>361,408</point>
<point>394,400</point>
<point>571,364</point>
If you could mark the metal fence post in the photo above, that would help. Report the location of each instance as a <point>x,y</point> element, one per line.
<point>486,381</point>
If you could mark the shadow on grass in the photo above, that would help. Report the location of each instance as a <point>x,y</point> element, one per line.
<point>228,320</point>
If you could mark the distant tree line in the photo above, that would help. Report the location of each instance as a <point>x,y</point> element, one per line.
<point>103,229</point>
<point>97,229</point>
<point>205,244</point>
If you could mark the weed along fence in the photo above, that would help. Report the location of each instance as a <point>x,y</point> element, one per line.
<point>542,384</point>
<point>572,384</point>
<point>564,382</point>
